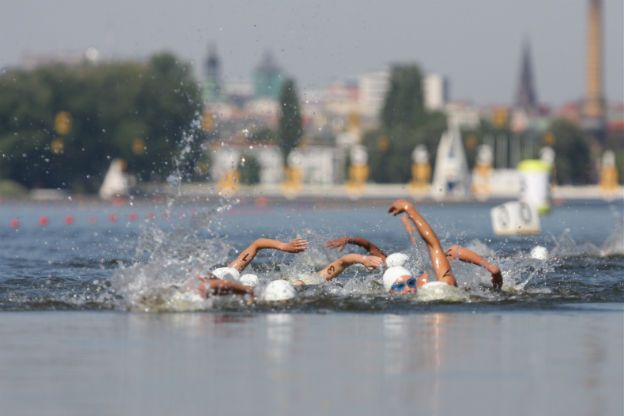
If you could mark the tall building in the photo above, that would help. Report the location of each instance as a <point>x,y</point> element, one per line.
<point>373,87</point>
<point>594,103</point>
<point>526,98</point>
<point>212,74</point>
<point>268,78</point>
<point>436,91</point>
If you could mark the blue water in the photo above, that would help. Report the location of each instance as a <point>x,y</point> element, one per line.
<point>95,263</point>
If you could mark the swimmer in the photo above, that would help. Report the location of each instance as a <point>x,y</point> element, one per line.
<point>399,277</point>
<point>215,282</point>
<point>405,283</point>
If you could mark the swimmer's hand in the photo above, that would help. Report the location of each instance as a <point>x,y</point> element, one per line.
<point>337,243</point>
<point>295,246</point>
<point>399,206</point>
<point>497,278</point>
<point>371,262</point>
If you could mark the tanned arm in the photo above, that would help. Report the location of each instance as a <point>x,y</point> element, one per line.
<point>469,256</point>
<point>409,227</point>
<point>439,262</point>
<point>336,267</point>
<point>340,243</point>
<point>246,256</point>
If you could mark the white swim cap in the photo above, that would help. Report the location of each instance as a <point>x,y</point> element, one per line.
<point>249,280</point>
<point>227,273</point>
<point>396,259</point>
<point>278,290</point>
<point>392,274</point>
<point>539,253</point>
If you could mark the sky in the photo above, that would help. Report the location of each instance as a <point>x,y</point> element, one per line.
<point>476,44</point>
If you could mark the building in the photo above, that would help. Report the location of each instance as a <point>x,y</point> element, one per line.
<point>373,87</point>
<point>435,91</point>
<point>268,78</point>
<point>594,103</point>
<point>212,77</point>
<point>526,96</point>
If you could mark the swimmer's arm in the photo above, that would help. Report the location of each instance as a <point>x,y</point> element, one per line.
<point>469,256</point>
<point>340,243</point>
<point>226,287</point>
<point>246,256</point>
<point>439,262</point>
<point>336,267</point>
<point>409,227</point>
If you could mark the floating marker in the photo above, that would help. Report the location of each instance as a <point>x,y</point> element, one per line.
<point>15,223</point>
<point>515,218</point>
<point>113,217</point>
<point>43,221</point>
<point>69,219</point>
<point>133,216</point>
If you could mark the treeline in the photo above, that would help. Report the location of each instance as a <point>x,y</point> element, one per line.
<point>405,123</point>
<point>61,125</point>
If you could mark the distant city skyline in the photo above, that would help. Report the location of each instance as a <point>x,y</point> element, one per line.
<point>476,44</point>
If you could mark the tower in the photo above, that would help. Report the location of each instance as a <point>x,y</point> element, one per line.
<point>212,73</point>
<point>594,103</point>
<point>268,78</point>
<point>526,97</point>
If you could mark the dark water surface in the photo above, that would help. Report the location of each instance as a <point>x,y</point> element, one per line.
<point>80,332</point>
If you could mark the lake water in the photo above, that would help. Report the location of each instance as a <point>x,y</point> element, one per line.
<point>87,326</point>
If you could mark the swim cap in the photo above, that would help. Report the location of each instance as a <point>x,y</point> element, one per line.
<point>227,273</point>
<point>278,290</point>
<point>392,274</point>
<point>539,253</point>
<point>249,280</point>
<point>396,259</point>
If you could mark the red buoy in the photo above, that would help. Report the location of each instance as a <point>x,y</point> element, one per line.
<point>43,221</point>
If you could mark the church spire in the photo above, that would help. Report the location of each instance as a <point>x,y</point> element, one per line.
<point>526,97</point>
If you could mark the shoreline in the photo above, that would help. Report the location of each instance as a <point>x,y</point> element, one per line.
<point>327,194</point>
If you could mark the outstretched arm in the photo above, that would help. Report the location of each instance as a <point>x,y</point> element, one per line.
<point>246,256</point>
<point>336,267</point>
<point>439,262</point>
<point>469,256</point>
<point>214,286</point>
<point>340,243</point>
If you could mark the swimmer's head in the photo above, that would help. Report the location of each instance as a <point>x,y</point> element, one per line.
<point>227,273</point>
<point>249,279</point>
<point>279,290</point>
<point>396,259</point>
<point>398,279</point>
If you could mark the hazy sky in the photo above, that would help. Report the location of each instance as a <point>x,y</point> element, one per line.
<point>476,43</point>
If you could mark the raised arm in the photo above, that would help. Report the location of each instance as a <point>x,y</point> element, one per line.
<point>246,256</point>
<point>409,227</point>
<point>333,269</point>
<point>439,262</point>
<point>469,256</point>
<point>372,249</point>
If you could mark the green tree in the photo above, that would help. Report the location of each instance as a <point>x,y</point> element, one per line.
<point>138,111</point>
<point>404,124</point>
<point>403,105</point>
<point>290,127</point>
<point>572,153</point>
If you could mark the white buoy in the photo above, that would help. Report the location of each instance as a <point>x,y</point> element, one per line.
<point>539,253</point>
<point>515,218</point>
<point>535,184</point>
